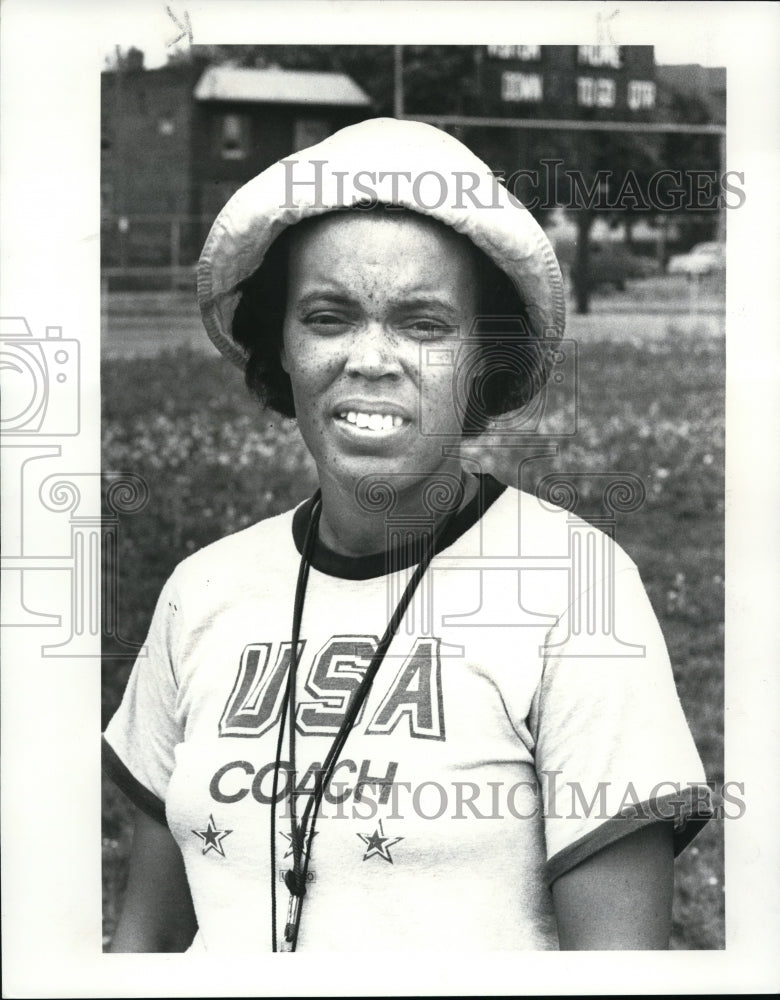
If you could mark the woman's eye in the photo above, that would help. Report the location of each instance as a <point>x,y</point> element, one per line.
<point>325,321</point>
<point>430,328</point>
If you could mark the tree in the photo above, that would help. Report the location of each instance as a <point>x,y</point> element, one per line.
<point>608,173</point>
<point>128,60</point>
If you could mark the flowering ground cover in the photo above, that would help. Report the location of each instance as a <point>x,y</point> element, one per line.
<point>650,407</point>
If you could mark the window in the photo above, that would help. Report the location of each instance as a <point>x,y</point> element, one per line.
<point>234,137</point>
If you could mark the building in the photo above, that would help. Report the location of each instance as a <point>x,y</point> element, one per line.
<point>178,141</point>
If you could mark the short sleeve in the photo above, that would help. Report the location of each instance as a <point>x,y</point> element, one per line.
<point>613,750</point>
<point>140,740</point>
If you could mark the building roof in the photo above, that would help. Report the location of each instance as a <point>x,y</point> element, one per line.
<point>279,86</point>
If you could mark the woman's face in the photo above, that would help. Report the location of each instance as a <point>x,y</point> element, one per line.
<point>377,306</point>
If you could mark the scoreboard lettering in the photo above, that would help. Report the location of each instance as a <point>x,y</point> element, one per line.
<point>599,55</point>
<point>641,94</point>
<point>523,53</point>
<point>522,87</point>
<point>567,81</point>
<point>596,92</point>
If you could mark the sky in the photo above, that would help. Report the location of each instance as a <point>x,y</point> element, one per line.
<point>667,52</point>
<point>695,32</point>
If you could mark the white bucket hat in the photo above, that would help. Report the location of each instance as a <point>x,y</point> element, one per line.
<point>394,162</point>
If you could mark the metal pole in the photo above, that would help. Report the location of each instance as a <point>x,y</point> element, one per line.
<point>722,210</point>
<point>118,172</point>
<point>398,81</point>
<point>104,286</point>
<point>175,250</point>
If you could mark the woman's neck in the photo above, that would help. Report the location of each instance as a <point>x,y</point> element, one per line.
<point>363,518</point>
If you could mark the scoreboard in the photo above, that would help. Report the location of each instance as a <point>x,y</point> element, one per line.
<point>570,81</point>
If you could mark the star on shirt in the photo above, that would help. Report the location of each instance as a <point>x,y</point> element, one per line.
<point>378,844</point>
<point>288,837</point>
<point>212,837</point>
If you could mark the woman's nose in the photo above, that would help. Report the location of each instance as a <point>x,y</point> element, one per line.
<point>373,352</point>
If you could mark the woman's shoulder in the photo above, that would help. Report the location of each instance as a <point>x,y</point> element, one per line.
<point>265,544</point>
<point>538,527</point>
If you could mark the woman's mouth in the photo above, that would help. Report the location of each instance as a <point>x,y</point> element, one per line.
<point>371,421</point>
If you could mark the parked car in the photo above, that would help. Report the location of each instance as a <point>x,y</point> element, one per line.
<point>613,264</point>
<point>704,258</point>
<point>610,263</point>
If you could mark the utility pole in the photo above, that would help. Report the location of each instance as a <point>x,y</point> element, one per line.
<point>119,160</point>
<point>398,81</point>
<point>722,209</point>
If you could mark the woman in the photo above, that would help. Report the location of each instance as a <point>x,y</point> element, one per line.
<point>378,721</point>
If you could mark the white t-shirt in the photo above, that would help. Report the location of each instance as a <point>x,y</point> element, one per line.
<point>526,701</point>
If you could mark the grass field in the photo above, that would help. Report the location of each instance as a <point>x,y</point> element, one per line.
<point>650,403</point>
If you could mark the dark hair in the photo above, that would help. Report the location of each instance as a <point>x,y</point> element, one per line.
<point>512,361</point>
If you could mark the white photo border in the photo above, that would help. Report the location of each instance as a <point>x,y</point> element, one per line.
<point>52,55</point>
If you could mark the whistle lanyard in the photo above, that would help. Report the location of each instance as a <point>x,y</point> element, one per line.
<point>302,834</point>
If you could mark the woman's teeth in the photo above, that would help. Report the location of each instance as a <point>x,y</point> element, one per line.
<point>372,421</point>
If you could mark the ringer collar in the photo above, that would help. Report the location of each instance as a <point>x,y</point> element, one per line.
<point>376,564</point>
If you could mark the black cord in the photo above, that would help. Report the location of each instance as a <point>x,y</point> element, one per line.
<point>311,813</point>
<point>289,694</point>
<point>296,879</point>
